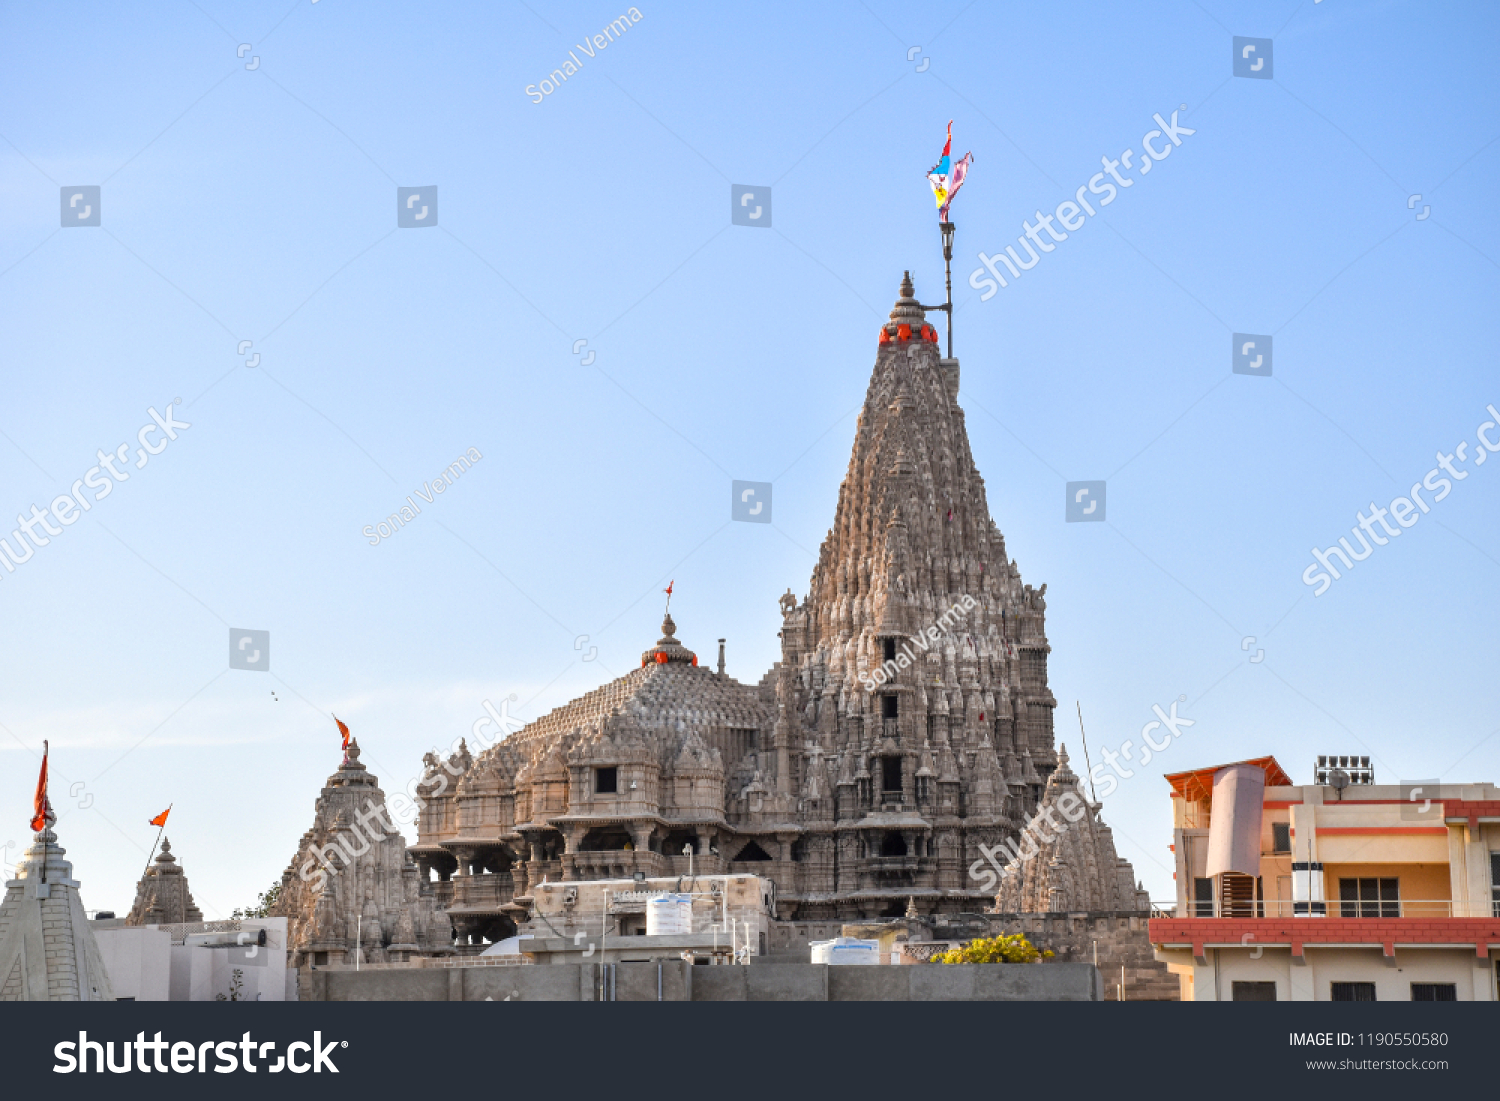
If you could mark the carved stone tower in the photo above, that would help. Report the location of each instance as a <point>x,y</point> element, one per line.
<point>913,680</point>
<point>162,897</point>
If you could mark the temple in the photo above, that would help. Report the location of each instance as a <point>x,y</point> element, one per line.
<point>907,724</point>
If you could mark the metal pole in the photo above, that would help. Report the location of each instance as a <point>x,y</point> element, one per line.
<point>359,939</point>
<point>948,272</point>
<point>1086,761</point>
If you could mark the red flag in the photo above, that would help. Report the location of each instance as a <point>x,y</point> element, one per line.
<point>668,589</point>
<point>343,730</point>
<point>42,807</point>
<point>161,819</point>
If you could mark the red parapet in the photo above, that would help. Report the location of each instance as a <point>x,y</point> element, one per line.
<point>1480,932</point>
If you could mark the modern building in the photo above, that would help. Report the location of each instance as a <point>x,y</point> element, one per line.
<point>235,960</point>
<point>1341,890</point>
<point>907,724</point>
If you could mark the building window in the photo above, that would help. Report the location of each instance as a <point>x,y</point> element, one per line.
<point>1203,898</point>
<point>888,649</point>
<point>1353,992</point>
<point>1239,895</point>
<point>1254,992</point>
<point>890,774</point>
<point>1369,898</point>
<point>1434,992</point>
<point>606,780</point>
<point>1281,837</point>
<point>892,844</point>
<point>888,706</point>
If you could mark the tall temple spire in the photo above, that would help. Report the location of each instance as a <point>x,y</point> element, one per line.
<point>914,622</point>
<point>47,950</point>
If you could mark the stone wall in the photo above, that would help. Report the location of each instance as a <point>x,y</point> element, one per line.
<point>677,981</point>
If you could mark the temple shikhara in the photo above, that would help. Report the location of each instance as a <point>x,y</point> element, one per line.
<point>907,724</point>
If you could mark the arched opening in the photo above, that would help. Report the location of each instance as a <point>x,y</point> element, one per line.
<point>672,846</point>
<point>892,844</point>
<point>605,839</point>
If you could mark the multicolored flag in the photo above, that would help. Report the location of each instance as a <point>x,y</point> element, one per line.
<point>947,176</point>
<point>42,815</point>
<point>161,819</point>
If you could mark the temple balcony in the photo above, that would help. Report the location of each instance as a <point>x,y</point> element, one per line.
<point>489,891</point>
<point>615,864</point>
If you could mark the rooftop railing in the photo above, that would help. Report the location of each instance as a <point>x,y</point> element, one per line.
<point>1334,908</point>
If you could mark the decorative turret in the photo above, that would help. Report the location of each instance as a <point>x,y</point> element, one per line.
<point>667,649</point>
<point>162,896</point>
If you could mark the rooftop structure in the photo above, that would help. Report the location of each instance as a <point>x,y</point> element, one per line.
<point>1353,891</point>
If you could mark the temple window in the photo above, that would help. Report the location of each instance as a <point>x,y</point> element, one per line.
<point>606,780</point>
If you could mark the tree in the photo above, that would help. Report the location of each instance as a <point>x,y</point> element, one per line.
<point>1011,948</point>
<point>263,903</point>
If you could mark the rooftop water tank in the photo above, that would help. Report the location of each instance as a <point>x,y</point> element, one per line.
<point>846,950</point>
<point>669,916</point>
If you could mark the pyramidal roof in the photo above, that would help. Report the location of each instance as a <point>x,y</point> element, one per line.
<point>1078,869</point>
<point>47,949</point>
<point>162,896</point>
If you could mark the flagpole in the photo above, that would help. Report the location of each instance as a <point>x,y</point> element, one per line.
<point>157,841</point>
<point>946,228</point>
<point>947,231</point>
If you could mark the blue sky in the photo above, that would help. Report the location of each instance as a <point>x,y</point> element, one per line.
<point>257,204</point>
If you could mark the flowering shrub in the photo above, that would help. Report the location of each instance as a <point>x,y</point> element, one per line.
<point>1012,948</point>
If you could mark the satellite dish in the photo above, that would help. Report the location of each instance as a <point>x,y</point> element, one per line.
<point>1338,779</point>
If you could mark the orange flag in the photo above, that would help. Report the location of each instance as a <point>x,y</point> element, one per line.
<point>161,819</point>
<point>43,809</point>
<point>344,730</point>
